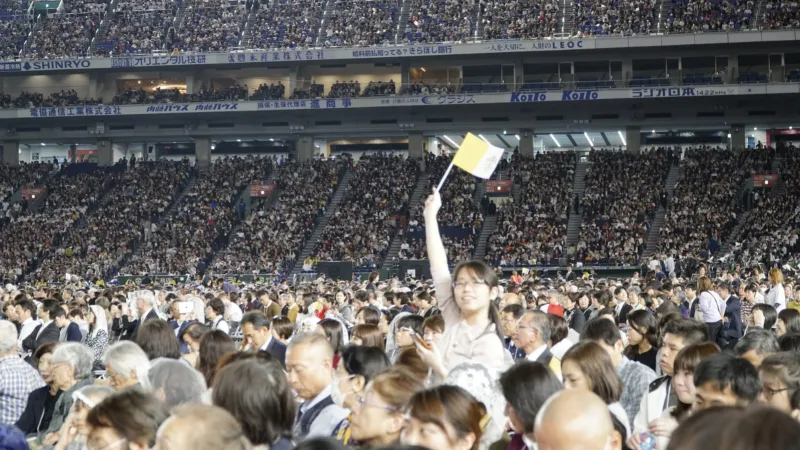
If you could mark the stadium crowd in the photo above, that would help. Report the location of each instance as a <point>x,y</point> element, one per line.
<point>209,26</point>
<point>270,239</point>
<point>286,24</point>
<point>134,28</point>
<point>15,177</point>
<point>365,222</point>
<point>464,360</point>
<point>201,222</point>
<point>534,230</point>
<point>703,16</point>
<point>361,23</point>
<point>519,19</point>
<point>623,192</point>
<point>64,36</point>
<point>618,18</point>
<point>440,21</point>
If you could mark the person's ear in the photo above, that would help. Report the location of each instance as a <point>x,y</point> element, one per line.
<point>466,442</point>
<point>395,423</point>
<point>619,346</point>
<point>359,383</point>
<point>614,441</point>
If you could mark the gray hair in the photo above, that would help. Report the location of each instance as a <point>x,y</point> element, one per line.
<point>8,337</point>
<point>126,357</point>
<point>180,382</point>
<point>763,342</point>
<point>540,321</point>
<point>77,355</point>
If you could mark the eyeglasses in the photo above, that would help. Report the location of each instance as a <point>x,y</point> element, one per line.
<point>769,393</point>
<point>362,401</point>
<point>472,284</point>
<point>406,329</point>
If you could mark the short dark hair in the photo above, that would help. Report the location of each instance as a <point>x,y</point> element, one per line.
<point>791,319</point>
<point>601,330</point>
<point>371,316</point>
<point>58,313</point>
<point>43,350</point>
<point>257,319</point>
<point>29,306</point>
<point>789,342</point>
<point>217,306</point>
<point>133,414</point>
<point>410,321</point>
<point>364,361</point>
<point>770,314</point>
<point>52,307</point>
<point>762,342</point>
<point>158,340</point>
<point>515,309</point>
<point>264,405</point>
<point>213,346</point>
<point>526,386</point>
<point>727,371</point>
<point>434,322</point>
<point>691,331</point>
<point>283,326</point>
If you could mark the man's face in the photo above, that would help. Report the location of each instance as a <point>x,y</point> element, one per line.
<point>509,324</point>
<point>708,395</point>
<point>22,314</point>
<point>11,313</point>
<point>255,337</point>
<point>308,374</point>
<point>526,335</point>
<point>672,346</point>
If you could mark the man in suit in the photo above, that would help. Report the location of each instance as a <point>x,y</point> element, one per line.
<point>145,305</point>
<point>48,331</point>
<point>70,331</point>
<point>532,333</point>
<point>256,333</point>
<point>732,331</point>
<point>271,308</point>
<point>179,322</point>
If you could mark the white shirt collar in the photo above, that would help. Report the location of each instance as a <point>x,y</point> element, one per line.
<point>534,355</point>
<point>266,344</point>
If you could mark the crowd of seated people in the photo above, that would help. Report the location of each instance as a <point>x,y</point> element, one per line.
<point>25,174</point>
<point>780,14</point>
<point>269,92</point>
<point>174,95</point>
<point>39,233</point>
<point>459,249</point>
<point>185,240</point>
<point>122,220</point>
<point>12,36</point>
<point>341,89</point>
<point>379,89</point>
<point>361,23</point>
<point>208,26</point>
<point>135,29</point>
<point>705,206</point>
<point>37,100</point>
<point>286,24</point>
<point>420,88</point>
<point>519,19</point>
<point>692,16</point>
<point>314,90</point>
<point>534,230</point>
<point>770,233</point>
<point>64,36</point>
<point>622,194</point>
<point>617,18</point>
<point>365,222</point>
<point>440,21</point>
<point>270,239</point>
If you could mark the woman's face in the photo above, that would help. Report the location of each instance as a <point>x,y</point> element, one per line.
<point>90,317</point>
<point>62,375</point>
<point>360,319</point>
<point>634,337</point>
<point>383,324</point>
<point>583,302</point>
<point>432,337</point>
<point>81,410</point>
<point>781,328</point>
<point>775,393</point>
<point>432,436</point>
<point>471,293</point>
<point>347,387</point>
<point>340,298</point>
<point>102,438</point>
<point>403,337</point>
<point>574,377</point>
<point>683,383</point>
<point>373,418</point>
<point>46,367</point>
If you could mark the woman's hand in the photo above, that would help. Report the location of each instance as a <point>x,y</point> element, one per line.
<point>66,434</point>
<point>758,318</point>
<point>663,426</point>
<point>432,204</point>
<point>432,358</point>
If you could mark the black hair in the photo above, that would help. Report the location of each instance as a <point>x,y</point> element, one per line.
<point>29,306</point>
<point>217,306</point>
<point>526,387</point>
<point>691,331</point>
<point>52,307</point>
<point>364,361</point>
<point>727,371</point>
<point>770,314</point>
<point>333,332</point>
<point>791,319</point>
<point>763,342</point>
<point>257,319</point>
<point>789,342</point>
<point>515,310</point>
<point>602,330</point>
<point>411,321</point>
<point>645,324</point>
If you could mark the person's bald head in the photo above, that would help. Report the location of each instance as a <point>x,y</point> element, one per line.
<point>201,427</point>
<point>576,419</point>
<point>309,364</point>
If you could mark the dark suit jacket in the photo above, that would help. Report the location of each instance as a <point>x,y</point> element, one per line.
<point>278,350</point>
<point>152,315</point>
<point>733,311</point>
<point>74,333</point>
<point>50,334</point>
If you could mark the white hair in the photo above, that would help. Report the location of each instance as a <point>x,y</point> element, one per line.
<point>180,382</point>
<point>126,357</point>
<point>77,355</point>
<point>8,337</point>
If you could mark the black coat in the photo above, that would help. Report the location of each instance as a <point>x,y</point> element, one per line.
<point>51,333</point>
<point>733,311</point>
<point>278,350</point>
<point>38,411</point>
<point>152,315</point>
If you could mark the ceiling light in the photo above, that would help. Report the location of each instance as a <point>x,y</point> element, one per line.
<point>517,136</point>
<point>586,135</point>
<point>554,140</point>
<point>622,138</point>
<point>755,129</point>
<point>484,139</point>
<point>729,135</point>
<point>238,140</point>
<point>450,141</point>
<point>43,144</point>
<point>271,140</point>
<point>654,131</point>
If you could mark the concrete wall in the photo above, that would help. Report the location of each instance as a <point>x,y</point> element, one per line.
<point>46,84</point>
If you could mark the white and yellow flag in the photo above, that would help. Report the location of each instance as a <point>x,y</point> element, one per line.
<point>477,156</point>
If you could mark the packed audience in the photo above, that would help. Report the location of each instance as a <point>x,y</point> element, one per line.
<point>440,21</point>
<point>200,224</point>
<point>13,34</point>
<point>617,18</point>
<point>15,177</point>
<point>780,14</point>
<point>64,36</point>
<point>623,192</point>
<point>174,95</point>
<point>38,100</point>
<point>418,363</point>
<point>38,234</point>
<point>270,239</point>
<point>416,88</point>
<point>210,26</point>
<point>132,30</point>
<point>361,23</point>
<point>705,205</point>
<point>271,92</point>
<point>364,224</point>
<point>692,16</point>
<point>534,230</point>
<point>519,19</point>
<point>286,24</point>
<point>122,222</point>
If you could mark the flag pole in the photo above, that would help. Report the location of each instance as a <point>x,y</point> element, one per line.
<point>444,177</point>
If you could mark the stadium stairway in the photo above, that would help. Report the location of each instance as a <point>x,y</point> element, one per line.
<point>489,225</point>
<point>417,198</point>
<point>735,233</point>
<point>661,214</point>
<point>323,222</point>
<point>101,29</point>
<point>323,30</point>
<point>402,21</point>
<point>578,187</point>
